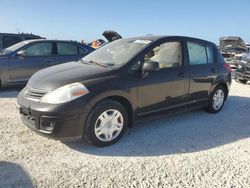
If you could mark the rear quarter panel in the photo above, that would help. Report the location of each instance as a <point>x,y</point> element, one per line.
<point>223,76</point>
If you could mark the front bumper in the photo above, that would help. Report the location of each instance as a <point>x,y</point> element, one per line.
<point>60,121</point>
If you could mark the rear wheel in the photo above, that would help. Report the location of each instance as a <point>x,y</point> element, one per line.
<point>216,100</point>
<point>106,123</point>
<point>242,81</point>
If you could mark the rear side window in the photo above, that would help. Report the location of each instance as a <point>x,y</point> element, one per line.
<point>210,54</point>
<point>197,53</point>
<point>10,40</point>
<point>66,49</point>
<point>39,49</point>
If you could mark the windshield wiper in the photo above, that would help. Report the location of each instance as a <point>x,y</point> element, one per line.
<point>98,63</point>
<point>94,62</point>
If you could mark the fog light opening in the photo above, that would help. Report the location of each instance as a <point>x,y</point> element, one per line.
<point>47,125</point>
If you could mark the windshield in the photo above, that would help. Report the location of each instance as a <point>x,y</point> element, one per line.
<point>14,47</point>
<point>116,53</point>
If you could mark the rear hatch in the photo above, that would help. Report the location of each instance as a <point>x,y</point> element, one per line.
<point>111,35</point>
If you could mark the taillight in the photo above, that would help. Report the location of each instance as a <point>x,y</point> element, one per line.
<point>227,66</point>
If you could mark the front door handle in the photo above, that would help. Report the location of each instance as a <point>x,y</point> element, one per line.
<point>181,74</point>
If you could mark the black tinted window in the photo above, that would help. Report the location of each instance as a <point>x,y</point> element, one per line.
<point>197,53</point>
<point>39,49</point>
<point>66,49</point>
<point>10,40</point>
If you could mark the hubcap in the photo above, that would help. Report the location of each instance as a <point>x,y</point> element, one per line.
<point>218,99</point>
<point>109,125</point>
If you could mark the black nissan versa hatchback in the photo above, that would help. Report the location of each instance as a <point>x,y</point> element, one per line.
<point>102,94</point>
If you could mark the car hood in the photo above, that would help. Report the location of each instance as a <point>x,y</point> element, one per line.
<point>54,77</point>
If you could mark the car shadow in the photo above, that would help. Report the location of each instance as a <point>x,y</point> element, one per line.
<point>10,92</point>
<point>182,133</point>
<point>13,175</point>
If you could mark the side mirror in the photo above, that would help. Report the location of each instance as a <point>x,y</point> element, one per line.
<point>150,66</point>
<point>21,53</point>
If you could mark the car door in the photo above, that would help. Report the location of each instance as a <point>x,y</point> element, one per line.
<point>202,68</point>
<point>67,52</point>
<point>167,87</point>
<point>34,57</point>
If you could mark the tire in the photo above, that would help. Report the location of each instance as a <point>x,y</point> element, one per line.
<point>219,91</point>
<point>242,81</point>
<point>102,128</point>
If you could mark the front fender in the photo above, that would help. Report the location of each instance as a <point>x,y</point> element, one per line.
<point>126,95</point>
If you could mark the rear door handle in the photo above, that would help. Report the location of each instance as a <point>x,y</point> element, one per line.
<point>181,74</point>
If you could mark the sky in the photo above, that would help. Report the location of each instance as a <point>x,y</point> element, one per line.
<point>87,19</point>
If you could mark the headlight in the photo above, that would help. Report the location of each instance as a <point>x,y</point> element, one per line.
<point>239,67</point>
<point>65,93</point>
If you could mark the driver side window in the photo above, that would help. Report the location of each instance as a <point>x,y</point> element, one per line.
<point>167,55</point>
<point>39,49</point>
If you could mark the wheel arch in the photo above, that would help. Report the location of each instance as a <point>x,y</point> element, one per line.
<point>123,98</point>
<point>223,84</point>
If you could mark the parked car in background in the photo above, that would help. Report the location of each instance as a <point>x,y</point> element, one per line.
<point>126,80</point>
<point>242,73</point>
<point>9,39</point>
<point>232,49</point>
<point>20,61</point>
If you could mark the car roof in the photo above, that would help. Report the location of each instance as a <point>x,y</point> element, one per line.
<point>175,37</point>
<point>50,40</point>
<point>67,41</point>
<point>231,38</point>
<point>20,34</point>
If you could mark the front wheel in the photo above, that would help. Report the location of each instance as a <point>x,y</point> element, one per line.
<point>106,123</point>
<point>216,100</point>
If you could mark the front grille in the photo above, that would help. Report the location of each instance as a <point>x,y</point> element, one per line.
<point>34,94</point>
<point>30,119</point>
<point>27,117</point>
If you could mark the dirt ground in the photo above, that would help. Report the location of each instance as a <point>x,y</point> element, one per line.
<point>194,149</point>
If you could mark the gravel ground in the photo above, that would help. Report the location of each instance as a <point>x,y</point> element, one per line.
<point>194,149</point>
